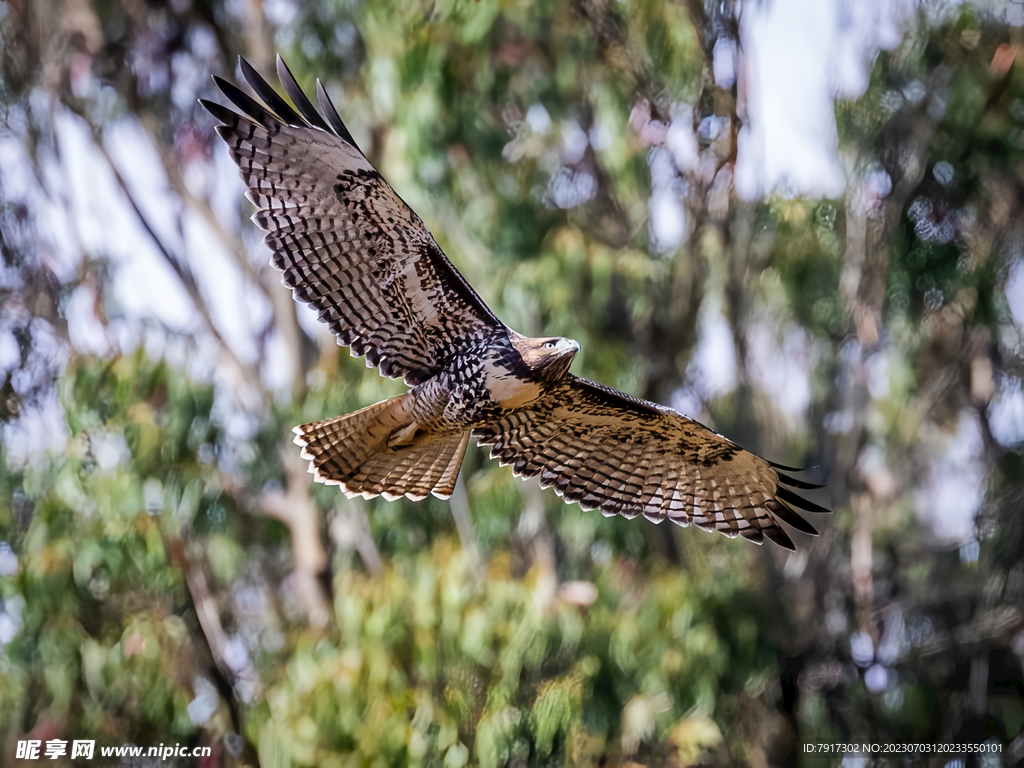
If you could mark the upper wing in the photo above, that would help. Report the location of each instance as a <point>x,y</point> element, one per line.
<point>626,456</point>
<point>347,244</point>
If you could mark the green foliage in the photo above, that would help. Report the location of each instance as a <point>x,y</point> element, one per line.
<point>429,656</point>
<point>100,630</point>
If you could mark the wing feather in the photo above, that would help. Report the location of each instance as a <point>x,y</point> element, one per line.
<point>332,114</point>
<point>270,97</point>
<point>346,243</point>
<point>613,452</point>
<point>301,102</point>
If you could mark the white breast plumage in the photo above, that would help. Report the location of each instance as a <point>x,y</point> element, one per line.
<point>508,390</point>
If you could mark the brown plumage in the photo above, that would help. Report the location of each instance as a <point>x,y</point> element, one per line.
<point>348,246</point>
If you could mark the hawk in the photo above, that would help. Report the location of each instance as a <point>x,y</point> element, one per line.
<point>350,248</point>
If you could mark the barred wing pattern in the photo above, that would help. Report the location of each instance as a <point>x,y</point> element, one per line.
<point>626,456</point>
<point>346,243</point>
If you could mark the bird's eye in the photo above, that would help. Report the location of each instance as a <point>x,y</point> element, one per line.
<point>550,344</point>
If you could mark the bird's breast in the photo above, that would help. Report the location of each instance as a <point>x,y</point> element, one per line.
<point>508,390</point>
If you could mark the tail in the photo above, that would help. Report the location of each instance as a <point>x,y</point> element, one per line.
<point>376,452</point>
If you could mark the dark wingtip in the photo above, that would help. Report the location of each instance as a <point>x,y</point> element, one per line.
<point>332,115</point>
<point>252,108</point>
<point>295,93</point>
<point>784,468</point>
<point>780,537</point>
<point>269,96</point>
<point>211,106</point>
<point>230,90</point>
<point>793,500</point>
<point>225,115</point>
<point>801,484</point>
<point>786,514</point>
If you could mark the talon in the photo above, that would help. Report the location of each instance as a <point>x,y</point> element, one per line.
<point>404,437</point>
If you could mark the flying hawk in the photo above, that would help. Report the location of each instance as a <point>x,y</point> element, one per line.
<point>356,253</point>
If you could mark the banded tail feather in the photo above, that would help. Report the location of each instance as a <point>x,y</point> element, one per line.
<point>376,451</point>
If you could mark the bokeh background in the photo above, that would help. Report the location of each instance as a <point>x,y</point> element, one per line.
<point>798,221</point>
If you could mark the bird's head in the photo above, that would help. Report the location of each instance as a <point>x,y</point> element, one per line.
<point>549,357</point>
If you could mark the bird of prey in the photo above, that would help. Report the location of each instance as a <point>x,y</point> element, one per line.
<point>350,248</point>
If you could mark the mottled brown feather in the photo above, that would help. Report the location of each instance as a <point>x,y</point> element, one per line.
<point>625,456</point>
<point>346,243</point>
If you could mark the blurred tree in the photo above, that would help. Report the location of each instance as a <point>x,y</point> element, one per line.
<point>168,574</point>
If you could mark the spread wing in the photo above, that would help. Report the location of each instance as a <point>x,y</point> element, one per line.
<point>609,451</point>
<point>346,242</point>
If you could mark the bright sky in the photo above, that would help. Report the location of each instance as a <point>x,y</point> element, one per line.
<point>798,57</point>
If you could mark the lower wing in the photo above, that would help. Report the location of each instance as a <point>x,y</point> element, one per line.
<point>626,456</point>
